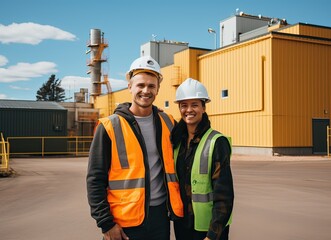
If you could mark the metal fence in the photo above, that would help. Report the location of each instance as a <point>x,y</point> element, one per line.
<point>57,145</point>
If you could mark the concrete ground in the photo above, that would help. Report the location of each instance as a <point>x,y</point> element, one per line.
<point>276,198</point>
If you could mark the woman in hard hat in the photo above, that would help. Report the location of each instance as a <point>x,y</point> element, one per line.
<point>202,160</point>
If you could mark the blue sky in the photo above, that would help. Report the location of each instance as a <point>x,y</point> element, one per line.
<point>39,38</point>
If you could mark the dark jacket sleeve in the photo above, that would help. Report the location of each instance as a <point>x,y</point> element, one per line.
<point>97,179</point>
<point>223,191</point>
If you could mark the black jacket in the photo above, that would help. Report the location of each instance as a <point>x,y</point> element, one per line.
<point>100,161</point>
<point>222,183</point>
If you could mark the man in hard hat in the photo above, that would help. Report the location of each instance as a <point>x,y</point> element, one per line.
<point>202,160</point>
<point>131,183</point>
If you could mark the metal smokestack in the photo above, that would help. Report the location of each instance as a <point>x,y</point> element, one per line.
<point>96,45</point>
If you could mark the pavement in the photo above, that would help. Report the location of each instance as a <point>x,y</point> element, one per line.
<point>243,157</point>
<point>276,198</point>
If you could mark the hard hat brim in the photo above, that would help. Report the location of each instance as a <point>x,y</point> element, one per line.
<point>131,74</point>
<point>207,100</point>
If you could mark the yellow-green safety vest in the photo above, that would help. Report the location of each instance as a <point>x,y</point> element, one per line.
<point>202,192</point>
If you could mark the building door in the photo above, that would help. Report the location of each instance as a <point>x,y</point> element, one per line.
<point>319,135</point>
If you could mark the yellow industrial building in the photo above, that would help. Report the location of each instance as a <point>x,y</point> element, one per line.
<point>270,90</point>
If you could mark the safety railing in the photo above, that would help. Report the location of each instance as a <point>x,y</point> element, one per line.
<point>55,145</point>
<point>4,155</point>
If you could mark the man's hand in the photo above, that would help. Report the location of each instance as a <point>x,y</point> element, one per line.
<point>115,233</point>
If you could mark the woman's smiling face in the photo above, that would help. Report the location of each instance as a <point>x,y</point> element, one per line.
<point>191,111</point>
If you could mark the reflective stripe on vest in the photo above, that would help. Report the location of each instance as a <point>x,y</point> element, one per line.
<point>167,120</point>
<point>126,184</point>
<point>120,143</point>
<point>126,181</point>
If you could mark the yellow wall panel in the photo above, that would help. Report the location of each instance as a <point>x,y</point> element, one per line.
<point>308,30</point>
<point>245,71</point>
<point>107,103</point>
<point>167,93</point>
<point>301,89</point>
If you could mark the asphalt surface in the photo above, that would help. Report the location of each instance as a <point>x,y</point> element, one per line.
<point>276,198</point>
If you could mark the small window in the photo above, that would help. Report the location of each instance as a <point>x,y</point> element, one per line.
<point>225,93</point>
<point>166,104</point>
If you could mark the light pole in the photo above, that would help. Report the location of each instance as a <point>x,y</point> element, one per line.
<point>210,30</point>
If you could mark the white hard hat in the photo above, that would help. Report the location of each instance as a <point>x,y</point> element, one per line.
<point>191,89</point>
<point>144,64</point>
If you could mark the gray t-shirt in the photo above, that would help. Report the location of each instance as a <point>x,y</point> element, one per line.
<point>158,192</point>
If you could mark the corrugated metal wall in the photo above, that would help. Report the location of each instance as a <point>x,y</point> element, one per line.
<point>301,88</point>
<point>244,71</point>
<point>308,30</point>
<point>167,92</point>
<point>107,103</point>
<point>33,122</point>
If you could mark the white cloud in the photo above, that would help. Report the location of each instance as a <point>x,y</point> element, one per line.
<point>25,71</point>
<point>19,88</point>
<point>3,96</point>
<point>118,84</point>
<point>32,33</point>
<point>72,84</point>
<point>3,60</point>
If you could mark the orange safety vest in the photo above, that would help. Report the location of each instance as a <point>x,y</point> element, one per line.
<point>126,189</point>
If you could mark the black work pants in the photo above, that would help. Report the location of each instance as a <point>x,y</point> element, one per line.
<point>156,227</point>
<point>184,233</point>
